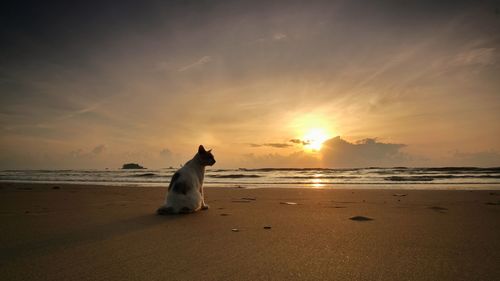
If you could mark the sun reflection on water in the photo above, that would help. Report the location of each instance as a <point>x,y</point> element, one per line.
<point>317,182</point>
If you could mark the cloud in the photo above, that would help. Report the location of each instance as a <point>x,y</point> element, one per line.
<point>275,145</point>
<point>166,153</point>
<point>478,56</point>
<point>338,153</point>
<point>279,36</point>
<point>299,141</point>
<point>76,153</point>
<point>162,66</point>
<point>275,37</point>
<point>293,160</point>
<point>482,158</point>
<point>196,64</point>
<point>99,149</point>
<point>169,158</point>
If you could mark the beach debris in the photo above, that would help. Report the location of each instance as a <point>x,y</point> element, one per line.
<point>438,209</point>
<point>360,218</point>
<point>288,203</point>
<point>249,198</point>
<point>56,187</point>
<point>235,230</point>
<point>267,227</point>
<point>241,201</point>
<point>224,214</point>
<point>399,194</point>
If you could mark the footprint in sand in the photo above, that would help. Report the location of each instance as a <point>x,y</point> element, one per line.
<point>493,203</point>
<point>360,218</point>
<point>439,209</point>
<point>399,194</point>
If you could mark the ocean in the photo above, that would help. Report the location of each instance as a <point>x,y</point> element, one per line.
<point>465,178</point>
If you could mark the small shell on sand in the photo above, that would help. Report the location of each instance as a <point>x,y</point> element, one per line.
<point>235,230</point>
<point>288,203</point>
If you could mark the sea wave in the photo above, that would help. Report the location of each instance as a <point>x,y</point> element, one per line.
<point>234,176</point>
<point>286,177</point>
<point>146,175</point>
<point>320,177</point>
<point>409,178</point>
<point>437,177</point>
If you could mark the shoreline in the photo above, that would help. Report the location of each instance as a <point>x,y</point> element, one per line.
<point>79,232</point>
<point>336,186</point>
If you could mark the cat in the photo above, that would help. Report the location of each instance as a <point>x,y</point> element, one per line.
<point>185,192</point>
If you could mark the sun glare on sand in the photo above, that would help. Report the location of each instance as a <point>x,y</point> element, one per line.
<point>315,138</point>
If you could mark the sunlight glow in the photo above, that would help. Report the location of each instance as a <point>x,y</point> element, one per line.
<point>315,138</point>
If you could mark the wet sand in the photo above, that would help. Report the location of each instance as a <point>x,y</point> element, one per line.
<point>112,233</point>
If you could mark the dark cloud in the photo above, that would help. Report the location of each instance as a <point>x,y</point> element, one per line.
<point>299,141</point>
<point>275,145</point>
<point>337,152</point>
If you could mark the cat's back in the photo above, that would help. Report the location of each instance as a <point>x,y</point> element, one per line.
<point>184,179</point>
<point>183,192</point>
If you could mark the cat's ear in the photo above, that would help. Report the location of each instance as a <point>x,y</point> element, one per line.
<point>201,149</point>
<point>209,151</point>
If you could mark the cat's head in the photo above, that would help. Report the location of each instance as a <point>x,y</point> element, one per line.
<point>206,157</point>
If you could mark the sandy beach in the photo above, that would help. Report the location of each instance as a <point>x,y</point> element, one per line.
<point>77,232</point>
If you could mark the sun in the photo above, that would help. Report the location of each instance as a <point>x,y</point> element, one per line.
<point>314,138</point>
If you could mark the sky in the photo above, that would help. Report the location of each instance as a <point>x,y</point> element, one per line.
<point>262,83</point>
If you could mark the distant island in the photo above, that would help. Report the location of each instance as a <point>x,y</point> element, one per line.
<point>132,166</point>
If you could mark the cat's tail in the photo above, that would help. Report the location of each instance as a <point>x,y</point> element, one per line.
<point>164,210</point>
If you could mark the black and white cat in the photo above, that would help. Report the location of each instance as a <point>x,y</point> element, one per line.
<point>185,192</point>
